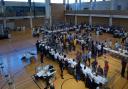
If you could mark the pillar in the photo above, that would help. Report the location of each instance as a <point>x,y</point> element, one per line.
<point>75,20</point>
<point>5,24</point>
<point>80,5</point>
<point>110,21</point>
<point>31,23</point>
<point>31,15</point>
<point>48,12</point>
<point>90,20</point>
<point>3,12</point>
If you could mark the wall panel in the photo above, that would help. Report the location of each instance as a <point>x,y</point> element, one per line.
<point>100,21</point>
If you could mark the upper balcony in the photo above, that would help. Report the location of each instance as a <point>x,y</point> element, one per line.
<point>104,13</point>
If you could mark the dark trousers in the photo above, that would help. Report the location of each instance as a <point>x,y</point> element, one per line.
<point>123,71</point>
<point>62,73</point>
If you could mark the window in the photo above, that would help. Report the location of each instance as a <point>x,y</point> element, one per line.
<point>56,1</point>
<point>70,1</point>
<point>99,0</point>
<point>17,0</point>
<point>85,0</point>
<point>43,1</point>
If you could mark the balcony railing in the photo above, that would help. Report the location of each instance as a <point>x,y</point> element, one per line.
<point>99,12</point>
<point>13,14</point>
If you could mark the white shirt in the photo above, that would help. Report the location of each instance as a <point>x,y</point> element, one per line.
<point>105,44</point>
<point>110,43</point>
<point>87,71</point>
<point>52,52</point>
<point>90,54</point>
<point>73,64</point>
<point>99,47</point>
<point>56,55</point>
<point>61,57</point>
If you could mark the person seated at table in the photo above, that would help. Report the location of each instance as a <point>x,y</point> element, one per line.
<point>71,67</point>
<point>88,82</point>
<point>56,55</point>
<point>100,71</point>
<point>117,46</point>
<point>78,71</point>
<point>60,57</point>
<point>94,85</point>
<point>105,44</point>
<point>110,43</point>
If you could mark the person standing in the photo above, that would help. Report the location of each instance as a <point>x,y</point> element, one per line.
<point>42,57</point>
<point>61,65</point>
<point>123,63</point>
<point>74,44</point>
<point>37,46</point>
<point>127,71</point>
<point>78,71</point>
<point>94,65</point>
<point>99,70</point>
<point>83,47</point>
<point>106,68</point>
<point>89,56</point>
<point>110,44</point>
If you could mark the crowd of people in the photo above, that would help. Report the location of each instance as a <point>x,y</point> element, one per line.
<point>66,42</point>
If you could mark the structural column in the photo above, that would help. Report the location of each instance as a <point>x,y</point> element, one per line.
<point>110,21</point>
<point>64,3</point>
<point>90,20</point>
<point>31,16</point>
<point>75,20</point>
<point>3,12</point>
<point>5,24</point>
<point>31,22</point>
<point>48,12</point>
<point>80,4</point>
<point>112,3</point>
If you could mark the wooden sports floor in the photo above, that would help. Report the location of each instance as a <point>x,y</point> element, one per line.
<point>11,51</point>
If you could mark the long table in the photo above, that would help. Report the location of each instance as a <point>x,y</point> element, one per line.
<point>88,70</point>
<point>123,53</point>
